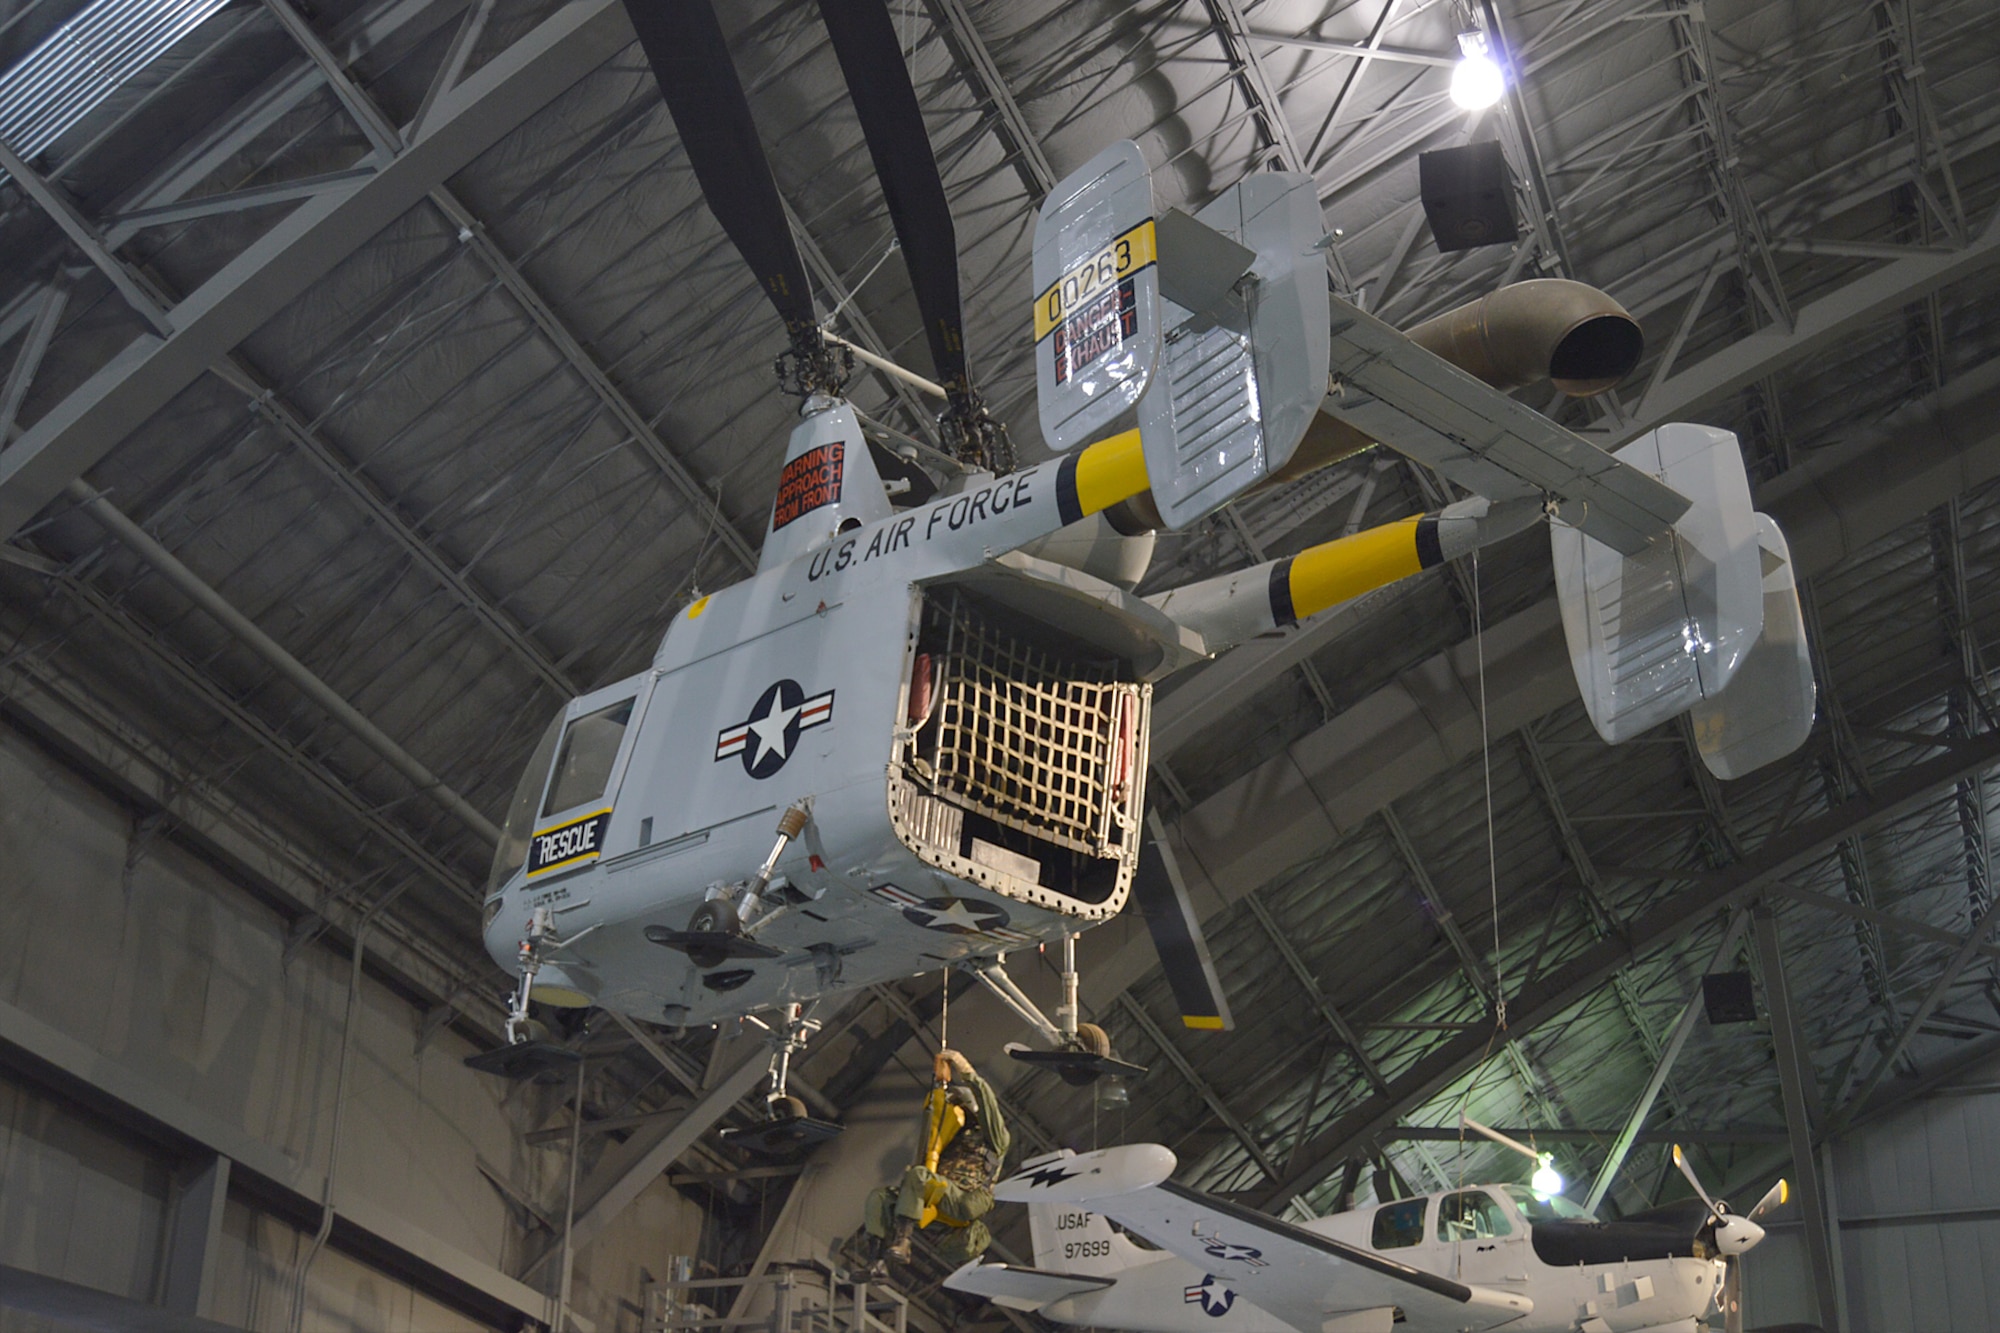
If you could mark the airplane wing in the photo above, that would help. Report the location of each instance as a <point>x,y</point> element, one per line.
<point>1019,1288</point>
<point>1310,1281</point>
<point>1421,405</point>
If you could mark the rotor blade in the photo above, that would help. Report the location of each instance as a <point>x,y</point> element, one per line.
<point>1681,1161</point>
<point>885,101</point>
<point>1162,898</point>
<point>1777,1194</point>
<point>684,44</point>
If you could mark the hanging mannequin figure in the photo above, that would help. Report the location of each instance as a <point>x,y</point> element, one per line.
<point>951,1187</point>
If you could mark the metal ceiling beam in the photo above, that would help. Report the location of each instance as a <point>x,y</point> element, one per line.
<point>625,1171</point>
<point>1187,1071</point>
<point>330,700</point>
<point>140,293</point>
<point>1663,1064</point>
<point>1817,326</point>
<point>388,141</point>
<point>1798,1086</point>
<point>378,506</point>
<point>1746,221</point>
<point>1561,988</point>
<point>40,333</point>
<point>1361,50</point>
<point>1963,956</point>
<point>231,201</point>
<point>1310,984</point>
<point>982,72</point>
<point>1232,29</point>
<point>1890,921</point>
<point>277,268</point>
<point>1448,1134</point>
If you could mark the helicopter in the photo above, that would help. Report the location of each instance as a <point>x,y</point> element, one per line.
<point>916,738</point>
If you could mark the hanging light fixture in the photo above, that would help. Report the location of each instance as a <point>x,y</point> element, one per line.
<point>1477,80</point>
<point>1547,1181</point>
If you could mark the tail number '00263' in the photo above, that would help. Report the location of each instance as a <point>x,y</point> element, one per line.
<point>1125,255</point>
<point>1086,1249</point>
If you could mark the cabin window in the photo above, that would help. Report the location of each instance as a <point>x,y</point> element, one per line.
<point>520,826</point>
<point>1471,1215</point>
<point>1399,1225</point>
<point>583,764</point>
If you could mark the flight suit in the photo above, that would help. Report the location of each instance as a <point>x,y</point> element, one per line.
<point>975,1141</point>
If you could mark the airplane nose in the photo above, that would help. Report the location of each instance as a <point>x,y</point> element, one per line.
<point>1737,1234</point>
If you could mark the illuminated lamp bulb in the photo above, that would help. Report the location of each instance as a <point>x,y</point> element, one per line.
<point>1547,1181</point>
<point>1476,81</point>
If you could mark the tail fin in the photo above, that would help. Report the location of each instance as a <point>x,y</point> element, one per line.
<point>1068,1239</point>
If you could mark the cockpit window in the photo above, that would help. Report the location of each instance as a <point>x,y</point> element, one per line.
<point>1398,1225</point>
<point>1550,1208</point>
<point>1471,1215</point>
<point>520,826</point>
<point>583,764</point>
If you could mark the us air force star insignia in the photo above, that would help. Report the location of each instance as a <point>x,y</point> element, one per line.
<point>766,738</point>
<point>1235,1253</point>
<point>1214,1300</point>
<point>953,916</point>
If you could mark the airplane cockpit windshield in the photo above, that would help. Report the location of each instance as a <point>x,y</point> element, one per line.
<point>1545,1208</point>
<point>520,825</point>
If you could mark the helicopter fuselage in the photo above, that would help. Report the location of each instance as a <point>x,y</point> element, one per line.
<point>974,779</point>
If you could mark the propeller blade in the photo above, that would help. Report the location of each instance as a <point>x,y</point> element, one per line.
<point>684,44</point>
<point>1681,1161</point>
<point>1732,1294</point>
<point>1776,1195</point>
<point>885,101</point>
<point>1162,898</point>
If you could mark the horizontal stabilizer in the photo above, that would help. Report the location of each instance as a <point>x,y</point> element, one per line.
<point>1091,1175</point>
<point>1421,405</point>
<point>1021,1288</point>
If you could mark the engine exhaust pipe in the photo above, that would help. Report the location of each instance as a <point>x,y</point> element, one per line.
<point>1545,328</point>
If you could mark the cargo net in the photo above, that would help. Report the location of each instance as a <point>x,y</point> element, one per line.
<point>1031,738</point>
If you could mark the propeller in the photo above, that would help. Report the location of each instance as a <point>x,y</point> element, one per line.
<point>689,56</point>
<point>885,102</point>
<point>1730,1235</point>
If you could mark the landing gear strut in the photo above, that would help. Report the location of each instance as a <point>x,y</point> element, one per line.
<point>529,1054</point>
<point>787,1126</point>
<point>725,926</point>
<point>1082,1053</point>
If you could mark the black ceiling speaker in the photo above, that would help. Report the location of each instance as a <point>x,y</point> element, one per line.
<point>1468,196</point>
<point>1729,998</point>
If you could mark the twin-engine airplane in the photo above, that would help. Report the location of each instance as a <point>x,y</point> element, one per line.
<point>1456,1261</point>
<point>916,738</point>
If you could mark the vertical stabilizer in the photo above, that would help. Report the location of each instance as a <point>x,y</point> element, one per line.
<point>1068,1239</point>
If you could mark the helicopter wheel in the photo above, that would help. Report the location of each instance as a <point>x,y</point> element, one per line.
<point>1091,1040</point>
<point>531,1030</point>
<point>784,1109</point>
<point>717,916</point>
